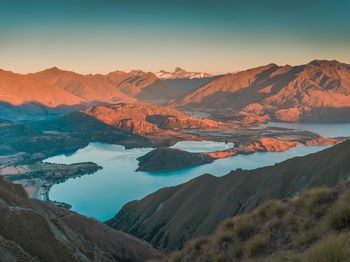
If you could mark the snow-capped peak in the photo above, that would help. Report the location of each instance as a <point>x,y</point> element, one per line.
<point>181,73</point>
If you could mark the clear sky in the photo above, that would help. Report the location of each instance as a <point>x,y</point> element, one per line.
<point>218,36</point>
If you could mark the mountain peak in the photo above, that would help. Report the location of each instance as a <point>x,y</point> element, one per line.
<point>179,69</point>
<point>318,62</point>
<point>181,73</point>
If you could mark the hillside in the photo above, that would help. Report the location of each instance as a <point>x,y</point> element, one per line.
<point>131,125</point>
<point>17,89</point>
<point>34,230</point>
<point>313,227</point>
<point>88,87</point>
<point>171,216</point>
<point>147,87</point>
<point>22,144</point>
<point>142,118</point>
<point>317,91</point>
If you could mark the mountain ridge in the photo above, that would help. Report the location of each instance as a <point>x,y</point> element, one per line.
<point>317,91</point>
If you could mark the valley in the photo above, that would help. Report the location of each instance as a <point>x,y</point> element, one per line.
<point>174,131</point>
<point>129,149</point>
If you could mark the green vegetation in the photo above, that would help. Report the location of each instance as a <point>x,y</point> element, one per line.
<point>314,226</point>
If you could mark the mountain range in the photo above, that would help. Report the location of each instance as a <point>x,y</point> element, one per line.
<point>55,91</point>
<point>317,91</point>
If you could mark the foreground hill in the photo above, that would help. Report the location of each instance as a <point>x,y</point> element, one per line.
<point>313,227</point>
<point>318,91</point>
<point>171,216</point>
<point>17,89</point>
<point>39,231</point>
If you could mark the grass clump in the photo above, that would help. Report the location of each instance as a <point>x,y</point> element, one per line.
<point>197,244</point>
<point>245,230</point>
<point>305,239</point>
<point>331,249</point>
<point>339,217</point>
<point>317,200</point>
<point>271,208</point>
<point>224,238</point>
<point>256,247</point>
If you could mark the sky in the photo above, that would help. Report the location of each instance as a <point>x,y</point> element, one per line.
<point>99,36</point>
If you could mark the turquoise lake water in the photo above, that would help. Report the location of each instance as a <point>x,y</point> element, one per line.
<point>102,194</point>
<point>327,130</point>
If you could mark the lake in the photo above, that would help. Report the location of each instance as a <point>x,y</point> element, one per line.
<point>327,130</point>
<point>102,194</point>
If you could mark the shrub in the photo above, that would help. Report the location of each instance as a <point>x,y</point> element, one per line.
<point>333,248</point>
<point>256,247</point>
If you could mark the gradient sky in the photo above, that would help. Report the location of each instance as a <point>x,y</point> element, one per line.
<point>215,36</point>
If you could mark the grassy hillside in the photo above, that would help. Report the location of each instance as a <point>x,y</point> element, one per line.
<point>313,227</point>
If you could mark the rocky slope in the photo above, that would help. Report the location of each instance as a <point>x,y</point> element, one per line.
<point>312,227</point>
<point>318,91</point>
<point>38,231</point>
<point>171,216</point>
<point>163,159</point>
